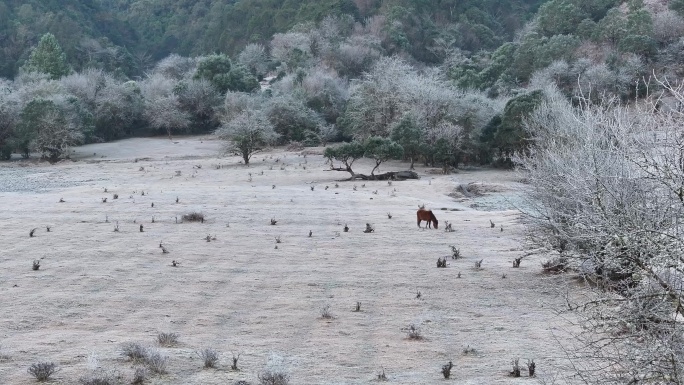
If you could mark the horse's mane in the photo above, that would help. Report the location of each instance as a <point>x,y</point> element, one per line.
<point>432,216</point>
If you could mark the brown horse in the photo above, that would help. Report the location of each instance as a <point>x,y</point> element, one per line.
<point>428,216</point>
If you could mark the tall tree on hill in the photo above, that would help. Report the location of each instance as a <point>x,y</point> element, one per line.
<point>48,58</point>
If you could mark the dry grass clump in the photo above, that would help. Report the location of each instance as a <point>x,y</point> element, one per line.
<point>100,378</point>
<point>455,252</point>
<point>326,313</point>
<point>4,356</point>
<point>193,217</point>
<point>156,361</point>
<point>273,377</point>
<point>134,351</point>
<point>446,370</point>
<point>167,339</point>
<point>414,333</point>
<point>516,368</point>
<point>42,370</point>
<point>139,376</point>
<point>382,376</point>
<point>210,357</point>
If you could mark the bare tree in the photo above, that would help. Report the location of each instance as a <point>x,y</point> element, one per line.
<point>606,192</point>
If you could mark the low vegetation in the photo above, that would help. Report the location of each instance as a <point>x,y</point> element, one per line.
<point>42,371</point>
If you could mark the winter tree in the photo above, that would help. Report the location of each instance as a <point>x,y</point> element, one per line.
<point>605,194</point>
<point>247,134</point>
<point>162,107</point>
<point>48,58</point>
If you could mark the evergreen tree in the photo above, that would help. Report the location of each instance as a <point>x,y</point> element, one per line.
<point>48,58</point>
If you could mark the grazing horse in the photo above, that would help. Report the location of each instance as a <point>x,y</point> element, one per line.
<point>428,216</point>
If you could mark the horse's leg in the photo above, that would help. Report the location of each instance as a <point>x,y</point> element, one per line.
<point>418,222</point>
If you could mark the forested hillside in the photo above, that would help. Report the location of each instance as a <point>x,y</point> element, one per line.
<point>452,81</point>
<point>131,35</point>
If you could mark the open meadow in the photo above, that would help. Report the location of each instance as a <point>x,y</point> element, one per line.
<point>236,290</point>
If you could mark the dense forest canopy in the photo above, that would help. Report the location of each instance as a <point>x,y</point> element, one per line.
<point>453,81</point>
<point>130,35</point>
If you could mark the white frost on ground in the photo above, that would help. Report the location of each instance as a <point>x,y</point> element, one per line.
<point>97,288</point>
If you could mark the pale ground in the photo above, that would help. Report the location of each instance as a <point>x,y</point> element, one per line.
<point>97,289</point>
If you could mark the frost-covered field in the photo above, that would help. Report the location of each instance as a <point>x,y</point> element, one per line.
<point>97,288</point>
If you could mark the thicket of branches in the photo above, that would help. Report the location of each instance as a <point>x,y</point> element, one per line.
<point>606,189</point>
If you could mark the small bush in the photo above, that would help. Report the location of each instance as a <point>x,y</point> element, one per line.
<point>455,252</point>
<point>446,370</point>
<point>42,370</point>
<point>167,339</point>
<point>139,376</point>
<point>3,354</point>
<point>36,265</point>
<point>382,376</point>
<point>156,361</point>
<point>134,351</point>
<point>325,312</point>
<point>270,377</point>
<point>210,357</point>
<point>468,350</point>
<point>234,365</point>
<point>531,367</point>
<point>414,333</point>
<point>516,368</point>
<point>101,378</point>
<point>193,217</point>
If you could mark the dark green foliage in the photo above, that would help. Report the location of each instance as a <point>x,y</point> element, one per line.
<point>216,69</point>
<point>27,129</point>
<point>506,133</point>
<point>126,36</point>
<point>376,148</point>
<point>483,71</point>
<point>677,6</point>
<point>346,153</point>
<point>241,79</point>
<point>48,58</point>
<point>292,120</point>
<point>408,135</point>
<point>559,17</point>
<point>382,150</point>
<point>225,76</point>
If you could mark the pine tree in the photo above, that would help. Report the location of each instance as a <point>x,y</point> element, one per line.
<point>48,58</point>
